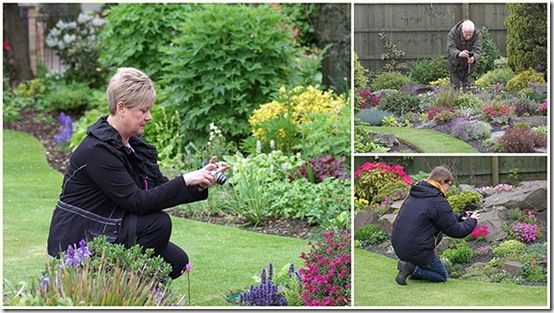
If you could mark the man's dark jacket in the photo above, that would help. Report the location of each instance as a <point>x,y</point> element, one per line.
<point>457,44</point>
<point>108,185</point>
<point>424,215</point>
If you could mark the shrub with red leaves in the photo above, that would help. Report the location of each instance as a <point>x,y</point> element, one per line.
<point>322,167</point>
<point>518,140</point>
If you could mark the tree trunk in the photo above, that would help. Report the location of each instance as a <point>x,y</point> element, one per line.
<point>16,58</point>
<point>332,26</point>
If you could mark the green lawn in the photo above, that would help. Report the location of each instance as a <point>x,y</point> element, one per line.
<point>426,140</point>
<point>374,285</point>
<point>223,258</point>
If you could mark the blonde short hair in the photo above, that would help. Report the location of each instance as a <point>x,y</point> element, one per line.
<point>441,174</point>
<point>131,87</point>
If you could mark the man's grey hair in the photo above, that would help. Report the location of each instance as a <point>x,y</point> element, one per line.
<point>468,26</point>
<point>131,87</point>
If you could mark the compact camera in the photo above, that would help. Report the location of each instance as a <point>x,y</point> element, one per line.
<point>220,178</point>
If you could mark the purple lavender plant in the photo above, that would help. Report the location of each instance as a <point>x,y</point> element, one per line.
<point>44,282</point>
<point>265,294</point>
<point>66,129</point>
<point>76,256</point>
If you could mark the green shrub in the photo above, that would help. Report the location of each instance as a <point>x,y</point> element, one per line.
<point>501,62</point>
<point>399,103</point>
<point>509,248</point>
<point>360,74</point>
<point>521,80</point>
<point>29,89</point>
<point>460,255</point>
<point>163,133</point>
<point>13,105</point>
<point>428,70</point>
<point>526,39</point>
<point>489,53</point>
<point>468,100</point>
<point>80,127</point>
<point>229,59</point>
<point>370,234</point>
<point>499,75</point>
<point>135,34</point>
<point>464,199</point>
<point>533,271</point>
<point>67,98</point>
<point>373,116</point>
<point>389,80</point>
<point>530,93</point>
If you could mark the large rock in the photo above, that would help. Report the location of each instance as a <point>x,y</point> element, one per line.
<point>387,139</point>
<point>513,268</point>
<point>493,219</point>
<point>532,121</point>
<point>397,204</point>
<point>399,194</point>
<point>386,221</point>
<point>363,218</point>
<point>495,136</point>
<point>443,245</point>
<point>415,89</point>
<point>464,187</point>
<point>527,195</point>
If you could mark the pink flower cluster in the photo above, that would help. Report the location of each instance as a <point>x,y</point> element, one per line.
<point>543,107</point>
<point>479,231</point>
<point>326,275</point>
<point>529,213</point>
<point>372,166</point>
<point>496,189</point>
<point>525,232</point>
<point>497,110</point>
<point>482,250</point>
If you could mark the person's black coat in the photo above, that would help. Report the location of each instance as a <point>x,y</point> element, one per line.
<point>423,216</point>
<point>107,185</point>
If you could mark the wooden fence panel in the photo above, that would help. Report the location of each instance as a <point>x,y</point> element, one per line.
<point>420,30</point>
<point>472,170</point>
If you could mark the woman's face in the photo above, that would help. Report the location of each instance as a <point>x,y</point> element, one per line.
<point>135,119</point>
<point>446,185</point>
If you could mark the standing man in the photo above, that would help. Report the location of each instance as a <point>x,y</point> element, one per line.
<point>464,50</point>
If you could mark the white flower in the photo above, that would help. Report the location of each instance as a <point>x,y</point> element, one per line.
<point>61,45</point>
<point>258,147</point>
<point>61,25</point>
<point>67,38</point>
<point>71,25</point>
<point>51,42</point>
<point>212,126</point>
<point>54,32</point>
<point>272,144</point>
<point>98,22</point>
<point>83,18</point>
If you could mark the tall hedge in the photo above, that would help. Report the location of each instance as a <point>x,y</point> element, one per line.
<point>526,40</point>
<point>228,60</point>
<point>135,34</point>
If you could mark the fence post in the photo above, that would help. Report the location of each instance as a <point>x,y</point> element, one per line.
<point>495,173</point>
<point>32,16</point>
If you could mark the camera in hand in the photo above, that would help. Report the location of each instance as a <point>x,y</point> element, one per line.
<point>220,178</point>
<point>470,54</point>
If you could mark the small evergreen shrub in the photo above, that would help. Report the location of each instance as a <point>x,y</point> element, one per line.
<point>499,75</point>
<point>520,80</point>
<point>399,103</point>
<point>460,255</point>
<point>389,80</point>
<point>373,116</point>
<point>370,234</point>
<point>489,53</point>
<point>517,140</point>
<point>509,248</point>
<point>468,100</point>
<point>464,199</point>
<point>525,106</point>
<point>428,70</point>
<point>470,130</point>
<point>67,98</point>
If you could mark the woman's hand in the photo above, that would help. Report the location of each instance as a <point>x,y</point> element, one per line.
<point>475,215</point>
<point>202,178</point>
<point>220,166</point>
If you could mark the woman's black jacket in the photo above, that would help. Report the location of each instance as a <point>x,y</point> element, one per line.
<point>108,185</point>
<point>424,214</point>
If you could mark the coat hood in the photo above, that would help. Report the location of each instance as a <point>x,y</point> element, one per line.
<point>103,131</point>
<point>425,190</point>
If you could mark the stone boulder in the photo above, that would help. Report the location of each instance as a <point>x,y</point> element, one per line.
<point>397,204</point>
<point>386,221</point>
<point>443,245</point>
<point>387,139</point>
<point>495,136</point>
<point>363,218</point>
<point>532,121</point>
<point>513,268</point>
<point>382,94</point>
<point>464,187</point>
<point>415,89</point>
<point>527,195</point>
<point>493,219</point>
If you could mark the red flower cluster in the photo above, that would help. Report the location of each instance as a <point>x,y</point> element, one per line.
<point>434,110</point>
<point>480,231</point>
<point>371,166</point>
<point>326,275</point>
<point>496,110</point>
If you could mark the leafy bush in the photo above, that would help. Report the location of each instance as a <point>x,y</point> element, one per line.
<point>13,105</point>
<point>521,80</point>
<point>164,134</point>
<point>525,106</point>
<point>80,127</point>
<point>304,200</point>
<point>443,82</point>
<point>468,100</point>
<point>499,75</point>
<point>517,140</point>
<point>326,277</point>
<point>526,26</point>
<point>498,111</point>
<point>280,119</point>
<point>102,274</point>
<point>509,248</point>
<point>444,116</point>
<point>435,110</point>
<point>373,116</point>
<point>360,79</point>
<point>389,80</point>
<point>371,178</point>
<point>322,167</point>
<point>204,80</point>
<point>365,99</point>
<point>75,43</point>
<point>67,98</point>
<point>370,234</point>
<point>399,103</point>
<point>489,53</point>
<point>464,199</point>
<point>135,33</point>
<point>470,130</point>
<point>428,70</point>
<point>29,89</point>
<point>460,255</point>
<point>534,271</point>
<point>530,93</point>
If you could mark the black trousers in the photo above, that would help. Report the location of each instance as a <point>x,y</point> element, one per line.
<point>153,231</point>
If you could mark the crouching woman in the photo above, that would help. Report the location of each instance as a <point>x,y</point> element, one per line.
<point>424,216</point>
